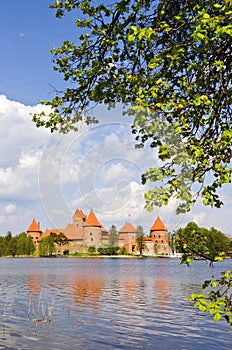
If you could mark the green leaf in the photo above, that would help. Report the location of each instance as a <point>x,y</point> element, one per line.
<point>217,317</point>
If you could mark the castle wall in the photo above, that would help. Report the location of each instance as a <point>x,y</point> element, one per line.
<point>92,236</point>
<point>75,246</point>
<point>159,237</point>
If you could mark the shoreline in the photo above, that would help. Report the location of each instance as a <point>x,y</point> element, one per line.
<point>91,256</point>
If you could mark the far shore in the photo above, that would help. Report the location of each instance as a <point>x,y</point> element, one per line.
<point>90,256</point>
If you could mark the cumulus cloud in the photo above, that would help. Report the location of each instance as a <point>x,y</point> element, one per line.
<point>10,208</point>
<point>20,151</point>
<point>48,176</point>
<point>17,132</point>
<point>17,182</point>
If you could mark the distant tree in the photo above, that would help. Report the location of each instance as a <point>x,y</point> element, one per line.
<point>8,236</point>
<point>172,242</point>
<point>212,245</point>
<point>60,239</point>
<point>12,246</point>
<point>194,241</point>
<point>92,249</point>
<point>122,250</point>
<point>218,243</point>
<point>47,246</point>
<point>30,246</point>
<point>106,249</point>
<point>3,247</point>
<point>113,236</point>
<point>25,245</point>
<point>103,249</point>
<point>139,240</point>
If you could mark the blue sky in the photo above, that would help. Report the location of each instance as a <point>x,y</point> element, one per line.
<point>28,31</point>
<point>47,176</point>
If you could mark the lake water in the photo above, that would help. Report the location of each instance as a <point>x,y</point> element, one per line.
<point>108,304</point>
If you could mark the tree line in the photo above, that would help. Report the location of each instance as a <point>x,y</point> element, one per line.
<point>199,242</point>
<point>16,245</point>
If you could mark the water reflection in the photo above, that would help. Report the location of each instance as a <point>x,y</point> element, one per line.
<point>34,284</point>
<point>86,290</point>
<point>161,288</point>
<point>104,304</point>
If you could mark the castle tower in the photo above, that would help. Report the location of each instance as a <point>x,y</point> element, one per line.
<point>127,235</point>
<point>79,218</point>
<point>92,234</point>
<point>159,236</point>
<point>34,231</point>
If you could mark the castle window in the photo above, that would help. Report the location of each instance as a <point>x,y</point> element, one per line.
<point>91,239</point>
<point>159,236</point>
<point>162,241</point>
<point>90,233</point>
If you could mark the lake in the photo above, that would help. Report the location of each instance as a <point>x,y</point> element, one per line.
<point>106,303</point>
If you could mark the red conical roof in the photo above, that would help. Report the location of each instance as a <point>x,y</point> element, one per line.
<point>158,225</point>
<point>79,214</point>
<point>83,215</point>
<point>34,227</point>
<point>128,228</point>
<point>92,220</point>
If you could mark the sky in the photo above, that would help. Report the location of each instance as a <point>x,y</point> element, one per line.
<point>48,176</point>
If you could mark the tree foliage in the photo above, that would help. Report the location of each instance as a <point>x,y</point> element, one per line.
<point>218,300</point>
<point>170,61</point>
<point>113,236</point>
<point>25,245</point>
<point>47,246</point>
<point>106,249</point>
<point>92,250</point>
<point>194,241</point>
<point>16,245</point>
<point>60,239</point>
<point>141,246</point>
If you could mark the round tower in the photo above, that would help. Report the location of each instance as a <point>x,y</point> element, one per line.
<point>159,236</point>
<point>34,231</point>
<point>92,233</point>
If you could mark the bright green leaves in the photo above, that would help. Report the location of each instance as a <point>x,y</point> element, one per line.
<point>172,64</point>
<point>192,103</point>
<point>218,300</point>
<point>141,34</point>
<point>201,100</point>
<point>197,242</point>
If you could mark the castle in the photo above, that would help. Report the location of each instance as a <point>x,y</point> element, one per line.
<point>86,231</point>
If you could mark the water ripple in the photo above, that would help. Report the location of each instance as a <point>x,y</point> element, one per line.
<point>104,304</point>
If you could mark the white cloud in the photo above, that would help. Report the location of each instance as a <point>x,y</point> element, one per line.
<point>21,143</point>
<point>198,218</point>
<point>48,176</point>
<point>10,208</point>
<point>17,132</point>
<point>20,181</point>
